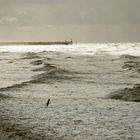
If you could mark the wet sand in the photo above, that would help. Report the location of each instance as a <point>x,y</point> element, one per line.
<point>78,87</point>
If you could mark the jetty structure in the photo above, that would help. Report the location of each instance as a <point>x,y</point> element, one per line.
<point>38,43</point>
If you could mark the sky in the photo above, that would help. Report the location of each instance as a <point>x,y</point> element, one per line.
<point>88,21</point>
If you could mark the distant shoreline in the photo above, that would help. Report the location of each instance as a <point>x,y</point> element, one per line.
<point>38,43</point>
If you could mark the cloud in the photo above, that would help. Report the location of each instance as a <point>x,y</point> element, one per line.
<point>71,12</point>
<point>8,20</point>
<point>21,12</point>
<point>86,20</point>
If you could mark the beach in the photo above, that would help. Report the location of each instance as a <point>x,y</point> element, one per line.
<point>80,81</point>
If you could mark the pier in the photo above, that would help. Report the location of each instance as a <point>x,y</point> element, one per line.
<point>38,43</point>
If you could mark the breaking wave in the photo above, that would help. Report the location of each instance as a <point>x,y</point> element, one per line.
<point>51,74</point>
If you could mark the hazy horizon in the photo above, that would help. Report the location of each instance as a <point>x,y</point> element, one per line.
<point>84,21</point>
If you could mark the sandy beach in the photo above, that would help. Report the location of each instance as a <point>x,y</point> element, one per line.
<point>85,85</point>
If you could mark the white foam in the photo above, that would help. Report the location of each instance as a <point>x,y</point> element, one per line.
<point>81,49</point>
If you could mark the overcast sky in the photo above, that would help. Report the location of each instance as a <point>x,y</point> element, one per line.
<point>81,20</point>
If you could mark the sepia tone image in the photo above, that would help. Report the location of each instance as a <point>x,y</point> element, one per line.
<point>69,70</point>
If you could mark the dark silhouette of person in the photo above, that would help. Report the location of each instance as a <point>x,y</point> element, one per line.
<point>48,102</point>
